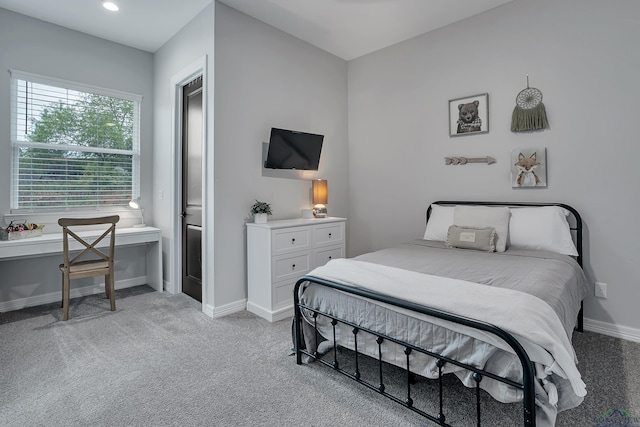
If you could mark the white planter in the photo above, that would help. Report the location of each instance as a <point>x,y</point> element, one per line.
<point>260,218</point>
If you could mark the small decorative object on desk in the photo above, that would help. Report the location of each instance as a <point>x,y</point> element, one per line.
<point>260,210</point>
<point>20,230</point>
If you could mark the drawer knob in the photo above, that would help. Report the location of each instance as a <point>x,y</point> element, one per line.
<point>293,241</point>
<point>293,267</point>
<point>329,235</point>
<point>329,256</point>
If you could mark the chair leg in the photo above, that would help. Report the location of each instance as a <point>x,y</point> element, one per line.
<point>65,297</point>
<point>107,289</point>
<point>112,292</point>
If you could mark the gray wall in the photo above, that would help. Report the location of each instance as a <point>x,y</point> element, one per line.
<point>266,78</point>
<point>579,53</point>
<point>582,54</point>
<point>35,46</point>
<point>190,45</point>
<point>38,47</point>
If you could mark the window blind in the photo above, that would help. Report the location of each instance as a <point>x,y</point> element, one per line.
<point>73,145</point>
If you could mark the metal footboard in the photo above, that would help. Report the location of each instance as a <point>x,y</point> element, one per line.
<point>528,378</point>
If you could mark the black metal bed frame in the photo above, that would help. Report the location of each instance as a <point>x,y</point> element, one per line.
<point>527,385</point>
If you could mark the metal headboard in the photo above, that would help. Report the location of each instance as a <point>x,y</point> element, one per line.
<point>575,221</point>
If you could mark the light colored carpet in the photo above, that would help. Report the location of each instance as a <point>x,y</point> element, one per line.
<point>158,361</point>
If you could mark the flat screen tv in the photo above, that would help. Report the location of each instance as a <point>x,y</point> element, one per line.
<point>290,149</point>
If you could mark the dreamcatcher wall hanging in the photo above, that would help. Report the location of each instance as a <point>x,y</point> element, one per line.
<point>529,113</point>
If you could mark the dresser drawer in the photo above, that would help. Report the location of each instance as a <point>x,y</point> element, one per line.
<point>282,295</point>
<point>328,234</point>
<point>291,266</point>
<point>288,240</point>
<point>323,256</point>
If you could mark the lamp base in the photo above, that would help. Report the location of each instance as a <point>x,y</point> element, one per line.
<point>320,211</point>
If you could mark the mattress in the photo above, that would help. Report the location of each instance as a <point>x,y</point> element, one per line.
<point>553,283</point>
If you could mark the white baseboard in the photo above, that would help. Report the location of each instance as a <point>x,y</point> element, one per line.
<point>169,287</point>
<point>622,332</point>
<point>226,309</point>
<point>32,301</point>
<point>271,316</point>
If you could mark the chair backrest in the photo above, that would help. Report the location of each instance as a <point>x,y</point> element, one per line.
<point>90,247</point>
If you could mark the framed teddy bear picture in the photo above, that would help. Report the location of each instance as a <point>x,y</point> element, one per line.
<point>469,115</point>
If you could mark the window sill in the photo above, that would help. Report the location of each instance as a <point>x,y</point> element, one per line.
<point>128,217</point>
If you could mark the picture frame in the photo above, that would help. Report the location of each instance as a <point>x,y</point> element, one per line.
<point>469,115</point>
<point>529,167</point>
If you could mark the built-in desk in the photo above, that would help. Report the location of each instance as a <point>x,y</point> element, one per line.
<point>49,244</point>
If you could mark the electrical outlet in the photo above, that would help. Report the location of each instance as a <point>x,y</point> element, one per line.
<point>601,290</point>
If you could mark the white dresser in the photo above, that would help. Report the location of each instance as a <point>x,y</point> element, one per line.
<point>280,252</point>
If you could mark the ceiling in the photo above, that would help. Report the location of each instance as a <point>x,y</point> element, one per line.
<point>352,28</point>
<point>143,24</point>
<point>345,28</point>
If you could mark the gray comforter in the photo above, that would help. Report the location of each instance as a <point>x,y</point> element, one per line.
<point>556,279</point>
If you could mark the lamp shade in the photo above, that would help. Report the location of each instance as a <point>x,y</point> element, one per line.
<point>135,203</point>
<point>320,191</point>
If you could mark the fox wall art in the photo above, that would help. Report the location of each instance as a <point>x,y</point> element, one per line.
<point>529,167</point>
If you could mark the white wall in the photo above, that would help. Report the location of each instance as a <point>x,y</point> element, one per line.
<point>266,78</point>
<point>582,54</point>
<point>35,46</point>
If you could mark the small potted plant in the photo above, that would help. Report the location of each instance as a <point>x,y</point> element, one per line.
<point>260,210</point>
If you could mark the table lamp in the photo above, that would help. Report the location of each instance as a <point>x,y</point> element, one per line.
<point>135,204</point>
<point>320,195</point>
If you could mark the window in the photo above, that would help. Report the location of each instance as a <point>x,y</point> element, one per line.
<point>73,146</point>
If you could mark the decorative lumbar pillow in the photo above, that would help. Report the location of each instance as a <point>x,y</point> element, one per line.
<point>439,221</point>
<point>541,228</point>
<point>485,216</point>
<point>481,239</point>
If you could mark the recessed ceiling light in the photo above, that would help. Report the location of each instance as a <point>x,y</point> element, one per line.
<point>109,5</point>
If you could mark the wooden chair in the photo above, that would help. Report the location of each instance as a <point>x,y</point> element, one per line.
<point>80,265</point>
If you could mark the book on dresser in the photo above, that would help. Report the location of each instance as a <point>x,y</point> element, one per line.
<point>280,252</point>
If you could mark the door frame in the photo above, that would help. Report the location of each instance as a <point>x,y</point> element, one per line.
<point>198,68</point>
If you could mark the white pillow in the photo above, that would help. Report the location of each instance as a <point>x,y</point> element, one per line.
<point>541,228</point>
<point>485,216</point>
<point>439,222</point>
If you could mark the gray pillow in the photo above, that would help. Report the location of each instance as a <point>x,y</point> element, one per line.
<point>481,239</point>
<point>485,216</point>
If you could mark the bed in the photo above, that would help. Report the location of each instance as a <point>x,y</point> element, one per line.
<point>490,294</point>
